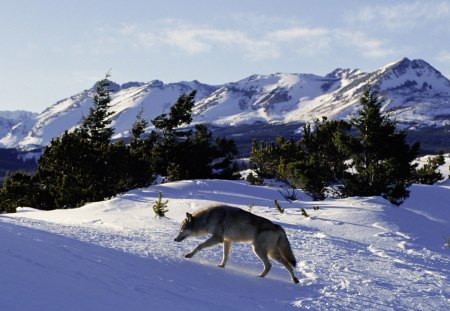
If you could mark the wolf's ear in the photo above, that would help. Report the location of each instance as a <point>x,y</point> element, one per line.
<point>189,217</point>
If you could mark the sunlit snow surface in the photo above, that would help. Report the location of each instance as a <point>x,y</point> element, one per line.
<point>353,254</point>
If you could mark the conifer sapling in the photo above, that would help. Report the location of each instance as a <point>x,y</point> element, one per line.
<point>278,207</point>
<point>160,208</point>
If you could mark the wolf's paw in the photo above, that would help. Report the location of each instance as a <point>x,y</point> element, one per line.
<point>221,265</point>
<point>295,280</point>
<point>188,255</point>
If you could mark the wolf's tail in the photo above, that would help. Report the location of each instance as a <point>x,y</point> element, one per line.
<point>285,248</point>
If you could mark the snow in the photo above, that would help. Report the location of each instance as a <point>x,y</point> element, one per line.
<point>352,253</point>
<point>416,95</point>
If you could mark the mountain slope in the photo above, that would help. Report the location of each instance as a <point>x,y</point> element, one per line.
<point>128,99</point>
<point>11,119</point>
<point>417,95</point>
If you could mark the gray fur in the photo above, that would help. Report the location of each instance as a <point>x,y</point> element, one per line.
<point>227,224</point>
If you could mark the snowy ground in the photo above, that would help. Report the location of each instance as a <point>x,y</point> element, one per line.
<point>353,254</point>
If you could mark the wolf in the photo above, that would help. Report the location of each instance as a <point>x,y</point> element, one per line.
<point>228,224</point>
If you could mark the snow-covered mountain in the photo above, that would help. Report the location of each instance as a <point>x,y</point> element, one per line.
<point>128,99</point>
<point>10,119</point>
<point>416,95</point>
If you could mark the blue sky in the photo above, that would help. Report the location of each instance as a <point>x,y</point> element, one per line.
<point>52,49</point>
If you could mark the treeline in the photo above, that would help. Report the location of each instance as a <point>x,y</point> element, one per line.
<point>365,156</point>
<point>85,165</point>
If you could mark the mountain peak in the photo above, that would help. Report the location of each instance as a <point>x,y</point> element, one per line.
<point>342,73</point>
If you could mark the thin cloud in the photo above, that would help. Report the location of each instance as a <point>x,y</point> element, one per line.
<point>196,40</point>
<point>296,33</point>
<point>367,46</point>
<point>405,15</point>
<point>177,36</point>
<point>443,57</point>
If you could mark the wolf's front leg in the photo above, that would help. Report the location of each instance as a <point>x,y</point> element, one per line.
<point>214,240</point>
<point>226,252</point>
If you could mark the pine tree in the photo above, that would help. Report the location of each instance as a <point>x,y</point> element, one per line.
<point>82,166</point>
<point>19,189</point>
<point>160,208</point>
<point>381,159</point>
<point>322,163</point>
<point>96,126</point>
<point>189,153</point>
<point>429,173</point>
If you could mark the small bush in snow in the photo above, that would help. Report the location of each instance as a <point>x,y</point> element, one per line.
<point>278,207</point>
<point>429,172</point>
<point>304,213</point>
<point>254,179</point>
<point>160,208</point>
<point>447,242</point>
<point>289,194</point>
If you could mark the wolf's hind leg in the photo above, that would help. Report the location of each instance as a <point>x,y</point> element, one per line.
<point>226,252</point>
<point>277,256</point>
<point>214,240</point>
<point>262,254</point>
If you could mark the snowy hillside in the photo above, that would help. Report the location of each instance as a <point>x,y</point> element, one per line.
<point>128,99</point>
<point>417,95</point>
<point>10,119</point>
<point>353,254</point>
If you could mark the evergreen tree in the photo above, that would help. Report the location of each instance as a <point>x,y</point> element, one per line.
<point>323,162</point>
<point>83,165</point>
<point>19,189</point>
<point>381,159</point>
<point>160,208</point>
<point>188,153</point>
<point>141,162</point>
<point>429,173</point>
<point>96,126</point>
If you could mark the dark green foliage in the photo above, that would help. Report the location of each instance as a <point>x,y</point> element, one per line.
<point>84,165</point>
<point>254,179</point>
<point>381,159</point>
<point>189,153</point>
<point>323,160</point>
<point>278,207</point>
<point>313,163</point>
<point>269,159</point>
<point>316,208</point>
<point>366,157</point>
<point>96,126</point>
<point>180,113</point>
<point>429,172</point>
<point>67,170</point>
<point>160,208</point>
<point>304,212</point>
<point>18,190</point>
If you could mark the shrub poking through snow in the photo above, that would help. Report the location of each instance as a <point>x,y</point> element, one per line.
<point>160,208</point>
<point>278,207</point>
<point>447,242</point>
<point>304,213</point>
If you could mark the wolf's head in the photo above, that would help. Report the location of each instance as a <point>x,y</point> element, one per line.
<point>186,228</point>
